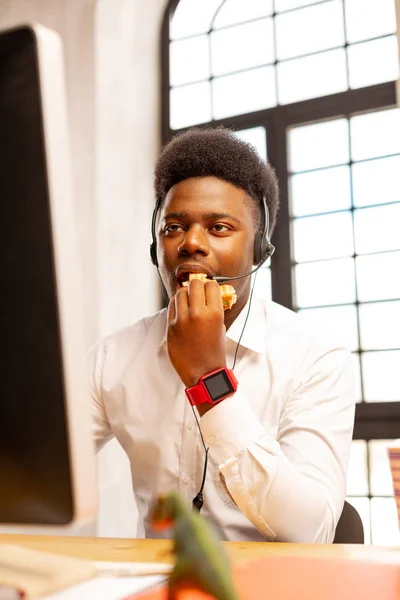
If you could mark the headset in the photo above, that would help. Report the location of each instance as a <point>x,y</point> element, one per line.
<point>263,248</point>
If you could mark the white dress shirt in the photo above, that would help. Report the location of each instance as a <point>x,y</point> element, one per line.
<point>279,446</point>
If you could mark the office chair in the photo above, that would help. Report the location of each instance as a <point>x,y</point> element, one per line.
<point>349,529</point>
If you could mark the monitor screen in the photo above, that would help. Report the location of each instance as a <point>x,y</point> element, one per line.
<point>36,475</point>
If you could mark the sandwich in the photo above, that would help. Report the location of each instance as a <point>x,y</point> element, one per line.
<point>228,293</point>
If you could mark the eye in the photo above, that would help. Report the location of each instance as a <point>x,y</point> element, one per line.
<point>173,228</point>
<point>220,228</point>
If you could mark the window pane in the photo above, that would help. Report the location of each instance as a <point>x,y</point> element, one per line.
<point>257,137</point>
<point>189,60</point>
<point>318,145</point>
<point>237,11</point>
<point>376,181</point>
<point>281,5</point>
<point>191,17</point>
<point>373,62</point>
<point>357,373</point>
<point>384,520</point>
<point>325,282</point>
<point>341,319</point>
<point>366,19</point>
<point>242,47</point>
<point>190,104</point>
<point>303,78</point>
<point>320,191</point>
<point>375,134</point>
<point>377,229</point>
<point>244,92</point>
<point>363,507</point>
<point>357,472</point>
<point>381,376</point>
<point>377,276</point>
<point>380,474</point>
<point>380,325</point>
<point>329,236</point>
<point>328,34</point>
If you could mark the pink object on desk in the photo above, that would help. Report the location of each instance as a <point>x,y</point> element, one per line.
<point>305,578</point>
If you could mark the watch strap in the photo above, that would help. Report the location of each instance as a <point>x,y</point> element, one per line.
<point>195,394</point>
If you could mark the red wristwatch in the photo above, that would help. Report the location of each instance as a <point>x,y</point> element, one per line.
<point>213,387</point>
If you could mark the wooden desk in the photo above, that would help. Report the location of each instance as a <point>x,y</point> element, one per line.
<point>291,579</point>
<point>134,550</point>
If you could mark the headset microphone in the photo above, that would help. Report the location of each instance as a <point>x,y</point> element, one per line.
<point>221,279</point>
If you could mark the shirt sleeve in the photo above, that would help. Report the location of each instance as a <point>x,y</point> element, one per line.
<point>100,425</point>
<point>291,488</point>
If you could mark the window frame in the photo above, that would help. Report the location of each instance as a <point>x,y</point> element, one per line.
<point>375,420</point>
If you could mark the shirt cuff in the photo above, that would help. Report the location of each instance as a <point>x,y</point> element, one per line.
<point>230,427</point>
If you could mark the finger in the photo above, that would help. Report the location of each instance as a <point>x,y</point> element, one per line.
<point>213,295</point>
<point>181,303</point>
<point>197,298</point>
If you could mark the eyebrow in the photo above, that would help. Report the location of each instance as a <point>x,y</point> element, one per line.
<point>211,216</point>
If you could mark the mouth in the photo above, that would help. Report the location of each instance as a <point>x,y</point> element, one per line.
<point>184,271</point>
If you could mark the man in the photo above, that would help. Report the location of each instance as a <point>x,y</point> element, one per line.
<point>279,443</point>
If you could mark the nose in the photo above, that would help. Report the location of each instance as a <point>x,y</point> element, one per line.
<point>195,240</point>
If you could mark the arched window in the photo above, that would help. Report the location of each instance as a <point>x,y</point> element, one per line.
<point>235,57</point>
<point>311,84</point>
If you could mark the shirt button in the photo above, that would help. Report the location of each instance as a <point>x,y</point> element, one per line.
<point>212,438</point>
<point>189,425</point>
<point>186,479</point>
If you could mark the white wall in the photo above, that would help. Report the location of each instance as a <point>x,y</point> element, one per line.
<point>112,55</point>
<point>127,144</point>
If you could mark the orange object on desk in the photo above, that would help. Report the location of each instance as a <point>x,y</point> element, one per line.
<point>305,578</point>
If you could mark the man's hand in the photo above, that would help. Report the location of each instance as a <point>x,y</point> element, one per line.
<point>196,331</point>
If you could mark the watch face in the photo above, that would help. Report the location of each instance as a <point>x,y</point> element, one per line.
<point>218,385</point>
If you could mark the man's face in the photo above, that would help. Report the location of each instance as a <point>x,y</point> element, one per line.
<point>206,225</point>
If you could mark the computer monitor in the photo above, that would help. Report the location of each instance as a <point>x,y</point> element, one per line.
<point>47,462</point>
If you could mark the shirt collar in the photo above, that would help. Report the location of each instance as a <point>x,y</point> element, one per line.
<point>254,334</point>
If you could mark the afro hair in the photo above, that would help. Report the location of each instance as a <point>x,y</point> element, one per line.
<point>220,153</point>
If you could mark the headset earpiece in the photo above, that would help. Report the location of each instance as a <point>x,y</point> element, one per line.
<point>258,242</point>
<point>153,253</point>
<point>153,245</point>
<point>263,248</point>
